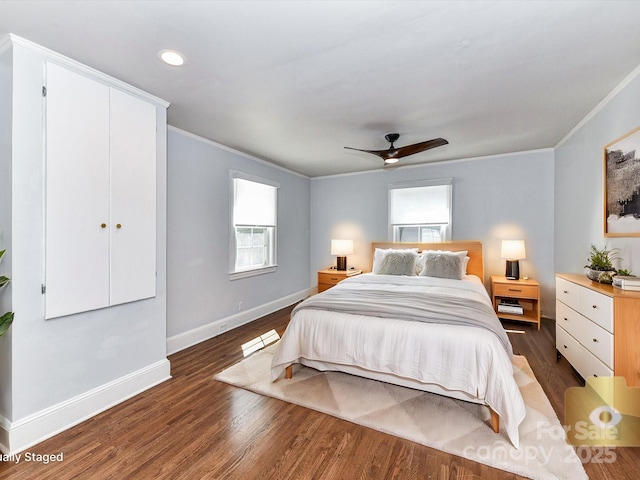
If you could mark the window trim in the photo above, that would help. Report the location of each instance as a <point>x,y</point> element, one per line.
<point>416,184</point>
<point>235,274</point>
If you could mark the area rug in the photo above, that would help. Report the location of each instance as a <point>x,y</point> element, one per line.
<point>453,426</point>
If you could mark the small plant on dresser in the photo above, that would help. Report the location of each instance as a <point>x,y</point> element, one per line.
<point>600,267</point>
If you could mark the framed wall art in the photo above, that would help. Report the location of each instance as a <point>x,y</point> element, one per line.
<point>622,186</point>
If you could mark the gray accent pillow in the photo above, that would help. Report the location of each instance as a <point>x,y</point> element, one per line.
<point>399,263</point>
<point>442,265</point>
<point>380,253</point>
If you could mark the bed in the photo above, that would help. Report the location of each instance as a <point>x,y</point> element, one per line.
<point>428,325</point>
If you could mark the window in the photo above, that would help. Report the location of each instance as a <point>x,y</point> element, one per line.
<point>254,219</point>
<point>420,211</point>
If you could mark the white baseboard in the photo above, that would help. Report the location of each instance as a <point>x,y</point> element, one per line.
<point>213,329</point>
<point>24,433</point>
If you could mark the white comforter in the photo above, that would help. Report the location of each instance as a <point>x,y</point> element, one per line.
<point>461,358</point>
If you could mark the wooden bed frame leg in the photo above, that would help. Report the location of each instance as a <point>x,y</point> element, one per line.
<point>289,372</point>
<point>495,420</point>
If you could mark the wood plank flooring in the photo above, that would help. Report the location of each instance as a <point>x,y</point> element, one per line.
<point>192,427</point>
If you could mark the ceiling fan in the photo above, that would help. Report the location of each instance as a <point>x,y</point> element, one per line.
<point>393,154</point>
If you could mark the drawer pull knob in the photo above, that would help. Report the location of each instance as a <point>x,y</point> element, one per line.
<point>566,319</point>
<point>564,346</point>
<point>515,290</point>
<point>595,375</point>
<point>594,306</point>
<point>565,291</point>
<point>595,340</point>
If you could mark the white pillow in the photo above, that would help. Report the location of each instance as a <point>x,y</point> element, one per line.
<point>380,253</point>
<point>441,263</point>
<point>399,263</point>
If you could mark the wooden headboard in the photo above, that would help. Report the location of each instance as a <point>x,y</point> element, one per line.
<point>473,248</point>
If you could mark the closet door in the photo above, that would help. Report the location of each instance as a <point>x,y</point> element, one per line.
<point>77,193</point>
<point>133,198</point>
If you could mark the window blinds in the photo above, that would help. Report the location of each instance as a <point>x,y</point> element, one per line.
<point>254,203</point>
<point>421,205</point>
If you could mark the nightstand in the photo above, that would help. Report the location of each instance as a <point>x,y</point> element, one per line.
<point>514,296</point>
<point>330,277</point>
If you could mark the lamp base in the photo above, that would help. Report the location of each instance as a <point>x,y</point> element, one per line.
<point>341,263</point>
<point>513,270</point>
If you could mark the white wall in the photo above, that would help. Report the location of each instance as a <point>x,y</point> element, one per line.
<point>580,183</point>
<point>6,60</point>
<point>67,368</point>
<point>201,295</point>
<point>494,198</point>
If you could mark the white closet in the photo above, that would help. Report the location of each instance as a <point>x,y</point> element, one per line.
<point>100,207</point>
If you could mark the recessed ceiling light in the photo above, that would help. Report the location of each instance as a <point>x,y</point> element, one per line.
<point>171,57</point>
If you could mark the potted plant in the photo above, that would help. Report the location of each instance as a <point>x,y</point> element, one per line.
<point>600,267</point>
<point>7,318</point>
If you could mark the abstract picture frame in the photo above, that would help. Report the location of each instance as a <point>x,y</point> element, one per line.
<point>622,186</point>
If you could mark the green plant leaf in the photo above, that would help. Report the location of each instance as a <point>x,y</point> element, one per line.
<point>5,322</point>
<point>602,259</point>
<point>3,281</point>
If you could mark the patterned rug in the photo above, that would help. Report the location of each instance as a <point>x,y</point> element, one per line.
<point>453,426</point>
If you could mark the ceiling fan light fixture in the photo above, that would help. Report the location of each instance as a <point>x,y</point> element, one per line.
<point>171,57</point>
<point>389,161</point>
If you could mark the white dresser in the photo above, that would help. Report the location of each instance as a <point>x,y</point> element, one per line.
<point>598,328</point>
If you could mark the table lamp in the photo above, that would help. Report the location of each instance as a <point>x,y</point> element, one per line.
<point>512,252</point>
<point>341,248</point>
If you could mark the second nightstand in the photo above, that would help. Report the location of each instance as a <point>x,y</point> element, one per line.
<point>330,277</point>
<point>523,294</point>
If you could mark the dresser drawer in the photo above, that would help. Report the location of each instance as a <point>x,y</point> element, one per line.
<point>598,341</point>
<point>591,366</point>
<point>515,290</point>
<point>597,307</point>
<point>585,362</point>
<point>568,347</point>
<point>568,293</point>
<point>569,319</point>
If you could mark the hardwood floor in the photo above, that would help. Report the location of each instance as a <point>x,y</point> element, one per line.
<point>193,427</point>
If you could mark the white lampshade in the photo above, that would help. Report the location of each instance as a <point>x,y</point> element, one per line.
<point>341,247</point>
<point>513,250</point>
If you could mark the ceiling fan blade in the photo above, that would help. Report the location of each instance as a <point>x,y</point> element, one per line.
<point>384,154</point>
<point>420,147</point>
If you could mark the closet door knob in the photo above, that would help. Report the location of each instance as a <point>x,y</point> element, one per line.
<point>104,225</point>
<point>118,226</point>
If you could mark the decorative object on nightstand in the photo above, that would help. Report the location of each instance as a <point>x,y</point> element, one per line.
<point>341,248</point>
<point>513,251</point>
<point>516,299</point>
<point>330,277</point>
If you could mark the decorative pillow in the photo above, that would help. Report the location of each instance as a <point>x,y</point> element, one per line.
<point>380,253</point>
<point>444,264</point>
<point>423,255</point>
<point>399,263</point>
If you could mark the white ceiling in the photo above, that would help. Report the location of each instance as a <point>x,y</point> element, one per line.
<point>293,82</point>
